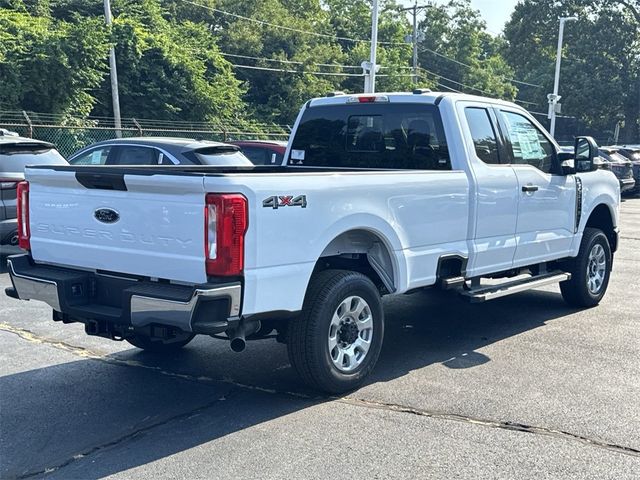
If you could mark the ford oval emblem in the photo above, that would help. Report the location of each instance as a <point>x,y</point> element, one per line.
<point>106,215</point>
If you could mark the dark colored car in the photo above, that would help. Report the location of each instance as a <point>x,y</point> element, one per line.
<point>620,166</point>
<point>263,152</point>
<point>632,152</point>
<point>159,151</point>
<point>16,153</point>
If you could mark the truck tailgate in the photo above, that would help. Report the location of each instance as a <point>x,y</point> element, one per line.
<point>148,225</point>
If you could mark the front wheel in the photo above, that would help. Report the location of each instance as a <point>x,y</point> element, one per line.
<point>590,271</point>
<point>336,341</point>
<point>160,346</point>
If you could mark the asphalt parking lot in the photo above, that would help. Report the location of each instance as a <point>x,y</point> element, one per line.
<point>520,387</point>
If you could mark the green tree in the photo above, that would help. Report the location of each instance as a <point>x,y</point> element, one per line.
<point>48,65</point>
<point>600,77</point>
<point>169,69</point>
<point>459,54</point>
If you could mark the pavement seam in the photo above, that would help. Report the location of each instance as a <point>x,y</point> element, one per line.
<point>354,401</point>
<point>129,436</point>
<point>512,426</point>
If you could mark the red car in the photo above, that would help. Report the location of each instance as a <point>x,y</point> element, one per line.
<point>263,152</point>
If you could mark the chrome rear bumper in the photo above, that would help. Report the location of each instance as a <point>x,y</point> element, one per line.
<point>132,303</point>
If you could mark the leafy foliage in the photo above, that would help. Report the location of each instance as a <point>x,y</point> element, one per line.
<point>262,59</point>
<point>600,75</point>
<point>474,64</point>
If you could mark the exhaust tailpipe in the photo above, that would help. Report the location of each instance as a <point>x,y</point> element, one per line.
<point>238,335</point>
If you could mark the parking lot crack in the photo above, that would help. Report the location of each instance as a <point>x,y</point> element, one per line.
<point>504,425</point>
<point>130,435</point>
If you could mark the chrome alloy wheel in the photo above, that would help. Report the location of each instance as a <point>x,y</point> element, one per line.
<point>596,269</point>
<point>350,334</point>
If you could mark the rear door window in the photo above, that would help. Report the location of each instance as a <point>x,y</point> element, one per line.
<point>97,156</point>
<point>483,134</point>
<point>134,155</point>
<point>258,156</point>
<point>394,136</point>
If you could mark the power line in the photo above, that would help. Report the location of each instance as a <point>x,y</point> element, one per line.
<point>268,69</point>
<point>336,37</point>
<point>333,74</point>
<point>291,29</point>
<point>469,87</point>
<point>471,66</point>
<point>293,62</point>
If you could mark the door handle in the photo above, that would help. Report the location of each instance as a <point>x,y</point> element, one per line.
<point>529,188</point>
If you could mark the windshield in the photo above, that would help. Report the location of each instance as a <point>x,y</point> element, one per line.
<point>398,136</point>
<point>15,160</point>
<point>214,156</point>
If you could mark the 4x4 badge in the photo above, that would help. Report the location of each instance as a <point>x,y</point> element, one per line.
<point>278,201</point>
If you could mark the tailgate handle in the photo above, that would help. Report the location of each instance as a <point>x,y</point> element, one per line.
<point>102,181</point>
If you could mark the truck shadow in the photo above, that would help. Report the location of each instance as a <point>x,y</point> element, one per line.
<point>96,418</point>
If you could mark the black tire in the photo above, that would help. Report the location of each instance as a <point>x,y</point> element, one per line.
<point>159,346</point>
<point>576,291</point>
<point>308,335</point>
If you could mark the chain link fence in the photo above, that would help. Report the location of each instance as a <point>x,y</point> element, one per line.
<point>70,134</point>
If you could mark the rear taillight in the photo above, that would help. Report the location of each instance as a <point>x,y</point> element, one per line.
<point>225,225</point>
<point>24,234</point>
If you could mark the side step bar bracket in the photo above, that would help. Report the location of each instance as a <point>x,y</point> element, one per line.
<point>484,293</point>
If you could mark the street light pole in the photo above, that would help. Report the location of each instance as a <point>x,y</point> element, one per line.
<point>115,97</point>
<point>370,80</point>
<point>554,97</point>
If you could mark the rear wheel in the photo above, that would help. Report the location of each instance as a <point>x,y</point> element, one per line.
<point>336,341</point>
<point>590,271</point>
<point>160,346</point>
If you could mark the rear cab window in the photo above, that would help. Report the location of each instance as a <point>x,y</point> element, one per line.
<point>386,136</point>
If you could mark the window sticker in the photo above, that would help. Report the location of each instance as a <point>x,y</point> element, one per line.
<point>297,154</point>
<point>530,147</point>
<point>96,157</point>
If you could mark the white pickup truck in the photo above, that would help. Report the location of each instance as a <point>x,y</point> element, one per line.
<point>377,195</point>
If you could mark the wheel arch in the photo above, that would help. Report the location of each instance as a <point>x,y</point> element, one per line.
<point>602,217</point>
<point>363,250</point>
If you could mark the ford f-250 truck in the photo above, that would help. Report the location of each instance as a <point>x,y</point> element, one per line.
<point>377,195</point>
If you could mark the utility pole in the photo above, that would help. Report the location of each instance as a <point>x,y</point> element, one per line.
<point>371,67</point>
<point>415,42</point>
<point>414,36</point>
<point>554,97</point>
<point>115,97</point>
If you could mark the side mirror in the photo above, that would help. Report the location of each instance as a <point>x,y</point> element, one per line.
<point>586,150</point>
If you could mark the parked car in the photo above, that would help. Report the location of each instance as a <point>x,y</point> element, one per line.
<point>263,152</point>
<point>16,153</point>
<point>159,151</point>
<point>632,152</point>
<point>620,166</point>
<point>379,195</point>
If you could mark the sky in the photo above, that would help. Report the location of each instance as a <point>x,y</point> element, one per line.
<point>495,12</point>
